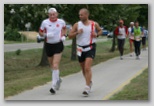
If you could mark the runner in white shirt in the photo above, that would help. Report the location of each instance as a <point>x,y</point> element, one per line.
<point>131,37</point>
<point>121,32</point>
<point>54,30</point>
<point>86,32</point>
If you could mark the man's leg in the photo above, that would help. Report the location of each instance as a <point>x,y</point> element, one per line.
<point>139,44</point>
<point>50,59</point>
<point>82,64</point>
<point>88,72</point>
<point>122,46</point>
<point>135,46</point>
<point>55,65</point>
<point>119,46</point>
<point>143,43</point>
<point>55,71</point>
<point>88,75</point>
<point>131,46</point>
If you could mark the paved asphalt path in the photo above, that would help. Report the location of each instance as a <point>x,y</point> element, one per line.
<point>26,46</point>
<point>108,77</point>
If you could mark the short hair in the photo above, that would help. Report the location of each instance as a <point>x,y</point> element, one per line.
<point>52,10</point>
<point>121,21</point>
<point>85,10</point>
<point>132,23</point>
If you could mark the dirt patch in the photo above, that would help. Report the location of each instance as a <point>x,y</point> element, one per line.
<point>30,34</point>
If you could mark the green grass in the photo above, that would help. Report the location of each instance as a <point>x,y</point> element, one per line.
<point>21,72</point>
<point>136,90</point>
<point>14,42</point>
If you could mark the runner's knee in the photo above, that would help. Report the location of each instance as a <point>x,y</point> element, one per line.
<point>87,68</point>
<point>55,66</point>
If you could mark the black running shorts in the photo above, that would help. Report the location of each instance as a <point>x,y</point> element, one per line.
<point>52,49</point>
<point>88,54</point>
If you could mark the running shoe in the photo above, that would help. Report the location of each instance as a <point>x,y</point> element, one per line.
<point>52,91</point>
<point>137,58</point>
<point>58,84</point>
<point>121,58</point>
<point>86,91</point>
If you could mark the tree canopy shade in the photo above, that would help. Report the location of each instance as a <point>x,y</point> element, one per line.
<point>105,14</point>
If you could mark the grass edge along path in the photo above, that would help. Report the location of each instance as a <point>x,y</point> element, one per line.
<point>135,88</point>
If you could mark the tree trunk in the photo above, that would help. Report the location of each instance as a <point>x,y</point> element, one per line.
<point>73,54</point>
<point>113,44</point>
<point>44,58</point>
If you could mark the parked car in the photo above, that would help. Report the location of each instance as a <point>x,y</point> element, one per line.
<point>110,35</point>
<point>105,32</point>
<point>68,27</point>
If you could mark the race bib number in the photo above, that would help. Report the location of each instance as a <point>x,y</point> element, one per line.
<point>79,51</point>
<point>138,38</point>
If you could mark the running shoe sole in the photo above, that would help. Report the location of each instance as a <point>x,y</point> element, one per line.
<point>52,91</point>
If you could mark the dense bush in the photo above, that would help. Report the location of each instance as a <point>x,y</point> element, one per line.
<point>13,35</point>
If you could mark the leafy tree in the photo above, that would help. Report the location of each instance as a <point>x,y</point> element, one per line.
<point>107,15</point>
<point>143,15</point>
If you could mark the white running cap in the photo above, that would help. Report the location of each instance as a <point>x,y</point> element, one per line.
<point>52,10</point>
<point>132,23</point>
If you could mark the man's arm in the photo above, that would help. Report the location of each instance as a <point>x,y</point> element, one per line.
<point>64,30</point>
<point>41,30</point>
<point>116,31</point>
<point>98,31</point>
<point>73,32</point>
<point>98,28</point>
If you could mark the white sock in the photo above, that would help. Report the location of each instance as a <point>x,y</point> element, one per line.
<point>54,79</point>
<point>87,88</point>
<point>57,74</point>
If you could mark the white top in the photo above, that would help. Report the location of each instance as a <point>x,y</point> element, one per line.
<point>123,32</point>
<point>52,30</point>
<point>130,33</point>
<point>85,38</point>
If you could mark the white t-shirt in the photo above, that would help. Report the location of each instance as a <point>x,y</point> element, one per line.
<point>123,32</point>
<point>85,38</point>
<point>52,30</point>
<point>130,33</point>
